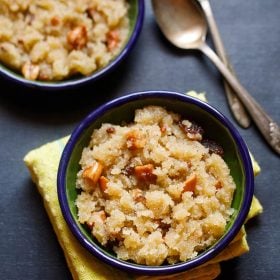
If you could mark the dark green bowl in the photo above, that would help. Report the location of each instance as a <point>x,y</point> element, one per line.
<point>217,127</point>
<point>136,16</point>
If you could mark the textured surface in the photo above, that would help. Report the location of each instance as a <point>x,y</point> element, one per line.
<point>251,33</point>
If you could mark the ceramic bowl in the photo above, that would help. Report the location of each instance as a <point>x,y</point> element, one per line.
<point>136,15</point>
<point>216,126</point>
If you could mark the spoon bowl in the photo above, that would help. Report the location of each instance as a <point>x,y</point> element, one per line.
<point>184,32</point>
<point>184,25</point>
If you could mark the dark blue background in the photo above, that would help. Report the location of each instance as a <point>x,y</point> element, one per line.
<point>251,33</point>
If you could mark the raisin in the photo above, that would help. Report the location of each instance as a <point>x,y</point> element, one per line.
<point>110,129</point>
<point>163,226</point>
<point>213,147</point>
<point>128,170</point>
<point>194,131</point>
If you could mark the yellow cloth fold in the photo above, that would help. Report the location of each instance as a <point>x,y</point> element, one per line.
<point>43,164</point>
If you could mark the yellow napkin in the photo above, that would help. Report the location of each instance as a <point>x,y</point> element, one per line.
<point>43,164</point>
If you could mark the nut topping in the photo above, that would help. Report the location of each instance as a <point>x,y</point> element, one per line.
<point>190,184</point>
<point>145,174</point>
<point>112,39</point>
<point>134,140</point>
<point>92,173</point>
<point>77,37</point>
<point>30,71</point>
<point>103,181</point>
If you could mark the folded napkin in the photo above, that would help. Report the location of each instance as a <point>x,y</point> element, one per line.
<point>43,165</point>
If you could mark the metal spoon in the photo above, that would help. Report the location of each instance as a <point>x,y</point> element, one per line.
<point>235,104</point>
<point>184,25</point>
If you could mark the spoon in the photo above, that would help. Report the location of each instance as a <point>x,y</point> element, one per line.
<point>184,25</point>
<point>235,105</point>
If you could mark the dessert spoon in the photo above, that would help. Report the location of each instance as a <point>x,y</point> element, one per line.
<point>235,105</point>
<point>184,25</point>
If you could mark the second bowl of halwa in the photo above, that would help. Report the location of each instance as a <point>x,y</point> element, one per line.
<point>58,44</point>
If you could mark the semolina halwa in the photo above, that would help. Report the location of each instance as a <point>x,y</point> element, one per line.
<point>154,191</point>
<point>55,39</point>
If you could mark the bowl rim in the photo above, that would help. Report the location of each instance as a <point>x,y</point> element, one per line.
<point>9,74</point>
<point>166,269</point>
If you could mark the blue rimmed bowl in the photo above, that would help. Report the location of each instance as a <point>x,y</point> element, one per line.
<point>217,127</point>
<point>136,16</point>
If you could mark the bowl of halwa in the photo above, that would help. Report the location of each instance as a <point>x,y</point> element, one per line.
<point>155,182</point>
<point>52,44</point>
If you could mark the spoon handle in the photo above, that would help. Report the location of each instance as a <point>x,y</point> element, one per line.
<point>235,105</point>
<point>269,128</point>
